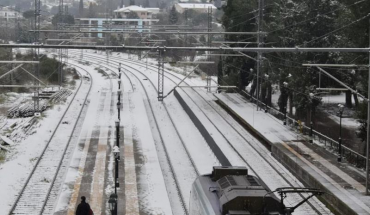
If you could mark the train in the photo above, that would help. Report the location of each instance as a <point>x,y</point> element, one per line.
<point>232,191</point>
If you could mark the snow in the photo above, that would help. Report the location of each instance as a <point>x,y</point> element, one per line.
<point>196,5</point>
<point>23,155</point>
<point>149,186</point>
<point>347,122</point>
<point>233,137</point>
<point>153,185</point>
<point>336,99</point>
<point>7,140</point>
<point>67,198</point>
<point>274,131</point>
<point>190,139</point>
<point>151,182</point>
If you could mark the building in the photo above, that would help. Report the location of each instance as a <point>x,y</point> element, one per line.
<point>7,13</point>
<point>200,7</point>
<point>118,24</point>
<point>142,13</point>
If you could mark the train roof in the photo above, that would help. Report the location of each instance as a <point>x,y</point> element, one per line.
<point>232,191</point>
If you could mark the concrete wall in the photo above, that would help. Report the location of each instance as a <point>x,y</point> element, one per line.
<point>309,178</point>
<point>207,136</point>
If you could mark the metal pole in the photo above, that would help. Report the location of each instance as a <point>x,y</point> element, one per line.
<point>116,175</point>
<point>284,115</point>
<point>340,137</point>
<point>117,134</point>
<point>311,123</point>
<point>259,54</point>
<point>368,127</point>
<point>119,115</point>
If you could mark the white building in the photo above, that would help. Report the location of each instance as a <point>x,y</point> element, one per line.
<point>200,7</point>
<point>119,25</point>
<point>7,13</point>
<point>143,13</point>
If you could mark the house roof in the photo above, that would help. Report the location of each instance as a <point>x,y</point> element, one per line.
<point>196,5</point>
<point>136,8</point>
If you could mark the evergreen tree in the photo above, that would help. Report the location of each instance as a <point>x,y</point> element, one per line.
<point>173,16</point>
<point>132,2</point>
<point>357,35</point>
<point>132,15</point>
<point>220,71</point>
<point>92,10</point>
<point>81,8</point>
<point>67,19</point>
<point>29,14</point>
<point>238,18</point>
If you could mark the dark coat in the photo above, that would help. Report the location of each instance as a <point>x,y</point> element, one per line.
<point>83,209</point>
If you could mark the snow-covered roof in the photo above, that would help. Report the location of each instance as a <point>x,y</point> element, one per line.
<point>6,140</point>
<point>196,5</point>
<point>153,9</point>
<point>136,8</point>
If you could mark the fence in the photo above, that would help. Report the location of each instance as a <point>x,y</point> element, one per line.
<point>318,138</point>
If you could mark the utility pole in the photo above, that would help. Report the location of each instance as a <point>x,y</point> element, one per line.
<point>60,26</point>
<point>160,73</point>
<point>209,83</point>
<point>37,51</point>
<point>368,126</point>
<point>81,8</point>
<point>259,43</point>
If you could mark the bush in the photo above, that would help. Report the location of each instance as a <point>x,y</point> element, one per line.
<point>2,156</point>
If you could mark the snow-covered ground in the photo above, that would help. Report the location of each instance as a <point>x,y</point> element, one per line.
<point>29,143</point>
<point>230,154</point>
<point>163,151</point>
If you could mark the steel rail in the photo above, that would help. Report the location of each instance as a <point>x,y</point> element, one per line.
<point>162,140</point>
<point>69,139</point>
<point>242,136</point>
<point>231,145</point>
<point>267,161</point>
<point>44,150</point>
<point>160,133</point>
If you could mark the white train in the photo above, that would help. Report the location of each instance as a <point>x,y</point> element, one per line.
<point>231,191</point>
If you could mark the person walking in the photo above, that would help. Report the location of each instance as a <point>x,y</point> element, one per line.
<point>84,208</point>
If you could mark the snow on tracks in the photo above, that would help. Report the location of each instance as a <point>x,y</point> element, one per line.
<point>33,196</point>
<point>169,140</point>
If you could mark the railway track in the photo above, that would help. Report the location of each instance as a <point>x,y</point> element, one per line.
<point>316,206</point>
<point>165,144</point>
<point>56,187</point>
<point>36,190</point>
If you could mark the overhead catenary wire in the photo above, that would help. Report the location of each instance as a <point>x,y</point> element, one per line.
<point>306,20</point>
<point>214,49</point>
<point>135,31</point>
<point>336,30</point>
<point>266,79</point>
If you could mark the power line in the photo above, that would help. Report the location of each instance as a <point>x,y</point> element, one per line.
<point>346,6</point>
<point>214,49</point>
<point>306,20</point>
<point>136,32</point>
<point>325,35</point>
